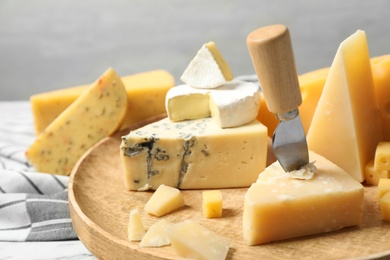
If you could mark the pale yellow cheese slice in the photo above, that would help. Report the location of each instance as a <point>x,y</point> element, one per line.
<point>96,114</point>
<point>212,204</point>
<point>346,126</point>
<point>208,69</point>
<point>279,207</point>
<point>156,236</point>
<point>136,230</point>
<point>164,200</point>
<point>146,98</point>
<point>194,241</point>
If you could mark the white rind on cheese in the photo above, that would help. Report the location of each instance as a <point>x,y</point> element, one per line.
<point>231,105</point>
<point>194,154</point>
<point>208,69</point>
<point>279,207</point>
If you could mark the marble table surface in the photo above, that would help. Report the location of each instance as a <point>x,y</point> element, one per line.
<point>44,250</point>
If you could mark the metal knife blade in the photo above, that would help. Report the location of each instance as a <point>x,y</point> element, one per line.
<point>272,55</point>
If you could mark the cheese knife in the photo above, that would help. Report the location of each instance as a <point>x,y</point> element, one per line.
<point>272,55</point>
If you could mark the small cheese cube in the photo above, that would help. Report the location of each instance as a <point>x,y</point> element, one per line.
<point>136,228</point>
<point>164,200</point>
<point>156,235</point>
<point>372,176</point>
<point>384,205</point>
<point>383,187</point>
<point>191,240</point>
<point>280,207</point>
<point>382,156</point>
<point>212,204</point>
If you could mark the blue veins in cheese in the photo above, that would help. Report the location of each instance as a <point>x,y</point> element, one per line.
<point>231,105</point>
<point>208,69</point>
<point>193,154</point>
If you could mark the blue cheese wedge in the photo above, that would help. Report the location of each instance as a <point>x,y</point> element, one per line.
<point>231,105</point>
<point>194,154</point>
<point>96,114</point>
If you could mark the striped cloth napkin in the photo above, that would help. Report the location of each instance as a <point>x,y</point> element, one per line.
<point>33,206</point>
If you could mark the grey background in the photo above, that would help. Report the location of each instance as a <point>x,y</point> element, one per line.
<point>52,44</point>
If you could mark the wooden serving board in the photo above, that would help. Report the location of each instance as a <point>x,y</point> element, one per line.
<point>100,206</point>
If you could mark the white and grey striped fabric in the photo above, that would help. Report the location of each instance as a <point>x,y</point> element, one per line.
<point>33,206</point>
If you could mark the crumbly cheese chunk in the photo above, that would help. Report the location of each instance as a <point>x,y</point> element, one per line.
<point>208,69</point>
<point>157,236</point>
<point>164,200</point>
<point>136,229</point>
<point>191,240</point>
<point>96,114</point>
<point>194,154</point>
<point>279,207</point>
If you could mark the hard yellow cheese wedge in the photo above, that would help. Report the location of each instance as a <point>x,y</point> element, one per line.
<point>347,115</point>
<point>212,204</point>
<point>96,114</point>
<point>146,94</point>
<point>135,229</point>
<point>193,241</point>
<point>164,200</point>
<point>208,69</point>
<point>279,207</point>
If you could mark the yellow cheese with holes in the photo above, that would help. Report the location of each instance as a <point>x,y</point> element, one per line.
<point>193,154</point>
<point>382,156</point>
<point>383,187</point>
<point>212,204</point>
<point>135,229</point>
<point>194,241</point>
<point>384,206</point>
<point>164,200</point>
<point>96,114</point>
<point>347,116</point>
<point>208,69</point>
<point>372,175</point>
<point>156,236</point>
<point>146,94</point>
<point>280,207</point>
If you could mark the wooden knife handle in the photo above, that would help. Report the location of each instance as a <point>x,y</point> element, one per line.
<point>272,55</point>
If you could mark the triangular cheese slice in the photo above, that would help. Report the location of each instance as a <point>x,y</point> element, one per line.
<point>346,126</point>
<point>208,69</point>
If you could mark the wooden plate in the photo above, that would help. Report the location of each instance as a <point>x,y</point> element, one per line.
<point>100,206</point>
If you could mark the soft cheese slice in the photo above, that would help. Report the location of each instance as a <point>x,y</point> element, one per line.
<point>164,200</point>
<point>135,229</point>
<point>194,241</point>
<point>96,114</point>
<point>346,125</point>
<point>157,235</point>
<point>194,154</point>
<point>146,98</point>
<point>233,104</point>
<point>278,207</point>
<point>208,69</point>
